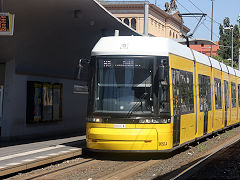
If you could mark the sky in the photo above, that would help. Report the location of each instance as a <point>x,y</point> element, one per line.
<point>222,9</point>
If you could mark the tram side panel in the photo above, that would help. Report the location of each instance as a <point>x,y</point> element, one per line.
<point>217,99</point>
<point>204,104</point>
<point>182,95</point>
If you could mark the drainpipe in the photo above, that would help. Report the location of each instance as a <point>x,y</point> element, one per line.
<point>146,11</point>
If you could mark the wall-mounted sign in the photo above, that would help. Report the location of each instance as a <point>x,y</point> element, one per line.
<point>6,24</point>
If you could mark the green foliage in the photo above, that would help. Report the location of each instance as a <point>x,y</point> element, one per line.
<point>226,40</point>
<point>201,147</point>
<point>220,59</point>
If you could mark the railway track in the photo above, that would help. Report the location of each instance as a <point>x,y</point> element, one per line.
<point>186,173</point>
<point>56,171</point>
<point>124,171</point>
<point>125,168</point>
<point>128,172</point>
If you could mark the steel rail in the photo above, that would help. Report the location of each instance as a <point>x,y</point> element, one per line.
<point>204,159</point>
<point>51,173</point>
<point>129,171</point>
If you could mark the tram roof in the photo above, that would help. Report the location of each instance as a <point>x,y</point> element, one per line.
<point>237,73</point>
<point>140,45</point>
<point>224,67</point>
<point>215,64</point>
<point>231,70</point>
<point>201,58</point>
<point>154,46</point>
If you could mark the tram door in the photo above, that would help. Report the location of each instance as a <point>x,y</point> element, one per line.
<point>176,107</point>
<point>226,98</point>
<point>204,99</point>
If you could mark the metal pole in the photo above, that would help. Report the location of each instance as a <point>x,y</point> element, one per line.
<point>232,46</point>
<point>146,8</point>
<point>212,27</point>
<point>239,59</point>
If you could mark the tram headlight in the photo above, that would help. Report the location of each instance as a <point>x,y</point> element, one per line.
<point>155,121</point>
<point>95,120</point>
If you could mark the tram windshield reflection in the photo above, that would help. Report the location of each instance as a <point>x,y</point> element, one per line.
<point>124,85</point>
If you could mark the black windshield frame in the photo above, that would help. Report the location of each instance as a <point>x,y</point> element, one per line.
<point>92,111</point>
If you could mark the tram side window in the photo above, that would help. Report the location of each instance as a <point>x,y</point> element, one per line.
<point>239,95</point>
<point>164,94</point>
<point>233,93</point>
<point>218,96</point>
<point>204,93</point>
<point>226,94</point>
<point>183,91</point>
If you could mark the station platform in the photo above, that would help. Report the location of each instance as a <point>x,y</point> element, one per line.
<point>15,158</point>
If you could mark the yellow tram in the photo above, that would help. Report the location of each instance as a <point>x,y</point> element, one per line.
<point>151,94</point>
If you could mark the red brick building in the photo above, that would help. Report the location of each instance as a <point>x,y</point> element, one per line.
<point>206,49</point>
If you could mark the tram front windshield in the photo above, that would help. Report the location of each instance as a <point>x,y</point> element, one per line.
<point>123,85</point>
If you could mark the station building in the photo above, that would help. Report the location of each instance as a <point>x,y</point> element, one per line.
<point>161,23</point>
<point>38,65</point>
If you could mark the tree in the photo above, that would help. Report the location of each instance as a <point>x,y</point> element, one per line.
<point>226,40</point>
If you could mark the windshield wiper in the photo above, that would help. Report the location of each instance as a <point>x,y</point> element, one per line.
<point>137,105</point>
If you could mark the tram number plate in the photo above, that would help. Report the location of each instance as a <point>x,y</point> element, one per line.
<point>119,125</point>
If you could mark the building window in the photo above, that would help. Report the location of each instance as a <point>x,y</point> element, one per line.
<point>133,23</point>
<point>44,102</point>
<point>126,21</point>
<point>170,33</point>
<point>204,93</point>
<point>233,93</point>
<point>183,91</point>
<point>173,35</point>
<point>176,36</point>
<point>218,95</point>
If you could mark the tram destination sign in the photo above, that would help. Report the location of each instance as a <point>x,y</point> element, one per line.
<point>6,24</point>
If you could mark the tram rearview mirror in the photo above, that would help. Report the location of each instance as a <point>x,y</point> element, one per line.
<point>82,70</point>
<point>161,74</point>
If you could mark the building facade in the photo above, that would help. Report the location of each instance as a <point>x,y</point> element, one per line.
<point>206,49</point>
<point>38,65</point>
<point>160,23</point>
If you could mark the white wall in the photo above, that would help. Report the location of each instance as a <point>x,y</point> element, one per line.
<point>15,100</point>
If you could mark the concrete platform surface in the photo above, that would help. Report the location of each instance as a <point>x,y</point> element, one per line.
<point>15,158</point>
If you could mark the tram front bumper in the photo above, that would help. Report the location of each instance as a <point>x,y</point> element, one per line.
<point>122,139</point>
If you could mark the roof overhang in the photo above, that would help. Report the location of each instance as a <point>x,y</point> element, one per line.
<point>51,36</point>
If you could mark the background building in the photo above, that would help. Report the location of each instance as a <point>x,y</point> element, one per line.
<point>206,49</point>
<point>160,23</point>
